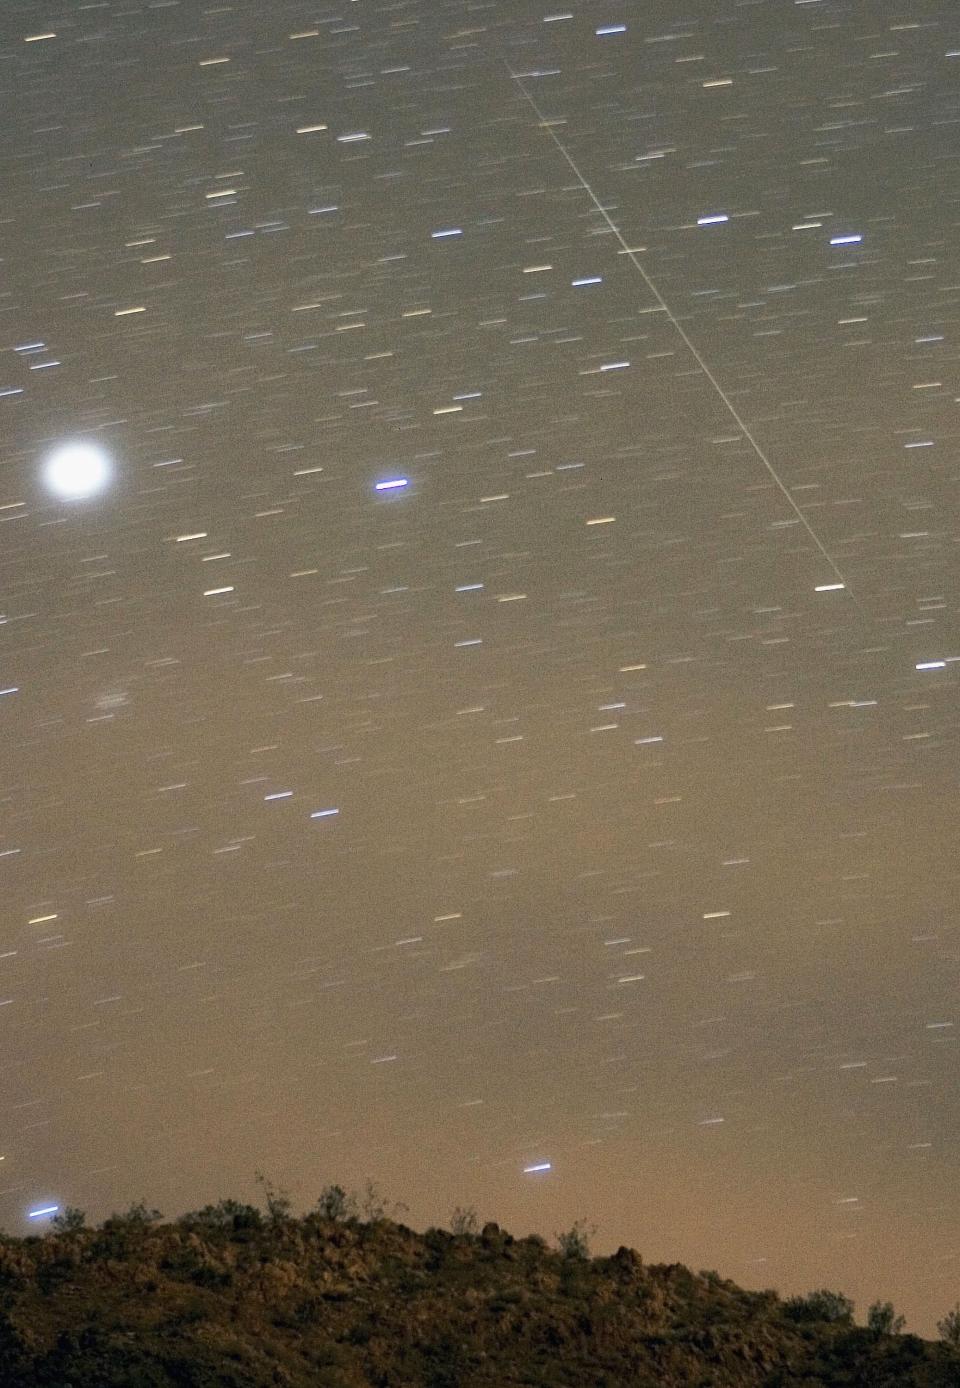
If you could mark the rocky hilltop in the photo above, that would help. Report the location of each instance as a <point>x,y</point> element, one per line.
<point>230,1297</point>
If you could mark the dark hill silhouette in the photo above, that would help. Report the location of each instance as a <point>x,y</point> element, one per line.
<point>230,1297</point>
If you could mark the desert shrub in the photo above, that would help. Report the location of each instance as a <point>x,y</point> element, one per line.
<point>13,1358</point>
<point>138,1216</point>
<point>207,1275</point>
<point>336,1203</point>
<point>277,1200</point>
<point>464,1220</point>
<point>309,1311</point>
<point>883,1320</point>
<point>575,1243</point>
<point>120,1234</point>
<point>70,1220</point>
<point>832,1307</point>
<point>448,1363</point>
<point>375,1206</point>
<point>49,1276</point>
<point>509,1296</point>
<point>12,1280</point>
<point>362,1332</point>
<point>339,1204</point>
<point>231,1216</point>
<point>949,1328</point>
<point>189,1312</point>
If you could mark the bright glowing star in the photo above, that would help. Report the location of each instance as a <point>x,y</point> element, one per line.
<point>77,470</point>
<point>392,485</point>
<point>450,231</point>
<point>845,240</point>
<point>279,795</point>
<point>611,29</point>
<point>712,220</point>
<point>43,1212</point>
<point>932,665</point>
<point>323,814</point>
<point>537,1166</point>
<point>829,587</point>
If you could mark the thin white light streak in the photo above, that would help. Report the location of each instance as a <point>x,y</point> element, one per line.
<point>665,308</point>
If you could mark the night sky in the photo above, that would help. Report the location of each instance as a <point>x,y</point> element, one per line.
<point>435,738</point>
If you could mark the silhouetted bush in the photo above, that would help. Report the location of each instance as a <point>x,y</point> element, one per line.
<point>375,1206</point>
<point>138,1216</point>
<point>949,1328</point>
<point>342,1205</point>
<point>230,1216</point>
<point>277,1200</point>
<point>832,1307</point>
<point>464,1220</point>
<point>883,1320</point>
<point>335,1203</point>
<point>575,1243</point>
<point>70,1220</point>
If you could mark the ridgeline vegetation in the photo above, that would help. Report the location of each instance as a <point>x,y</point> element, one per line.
<point>239,1296</point>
